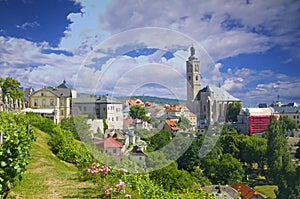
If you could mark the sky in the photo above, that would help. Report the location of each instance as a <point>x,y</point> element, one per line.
<point>250,48</point>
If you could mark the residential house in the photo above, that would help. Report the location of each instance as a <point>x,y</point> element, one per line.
<point>247,192</point>
<point>110,109</point>
<point>171,126</point>
<point>118,135</point>
<point>109,146</point>
<point>138,156</point>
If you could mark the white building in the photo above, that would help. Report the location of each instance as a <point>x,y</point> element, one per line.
<point>110,109</point>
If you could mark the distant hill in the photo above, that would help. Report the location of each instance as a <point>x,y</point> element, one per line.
<point>156,100</point>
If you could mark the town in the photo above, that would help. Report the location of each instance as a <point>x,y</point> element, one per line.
<point>119,126</point>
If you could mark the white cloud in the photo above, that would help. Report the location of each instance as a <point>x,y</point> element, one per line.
<point>27,25</point>
<point>254,87</point>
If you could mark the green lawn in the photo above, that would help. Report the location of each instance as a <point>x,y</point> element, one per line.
<point>49,177</point>
<point>267,190</point>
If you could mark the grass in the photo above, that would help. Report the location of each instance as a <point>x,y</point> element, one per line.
<point>49,177</point>
<point>267,190</point>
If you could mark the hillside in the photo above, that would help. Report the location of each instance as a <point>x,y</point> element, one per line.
<point>49,177</point>
<point>156,100</point>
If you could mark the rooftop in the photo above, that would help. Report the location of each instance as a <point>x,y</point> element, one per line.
<point>220,94</point>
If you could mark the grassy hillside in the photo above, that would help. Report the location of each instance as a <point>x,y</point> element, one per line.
<point>49,177</point>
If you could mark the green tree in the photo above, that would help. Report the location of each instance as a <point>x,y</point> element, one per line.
<point>138,112</point>
<point>253,150</point>
<point>159,140</point>
<point>229,141</point>
<point>11,86</point>
<point>184,123</point>
<point>228,170</point>
<point>289,124</point>
<point>233,110</point>
<point>277,151</point>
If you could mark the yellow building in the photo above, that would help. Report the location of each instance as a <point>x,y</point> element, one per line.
<point>54,103</point>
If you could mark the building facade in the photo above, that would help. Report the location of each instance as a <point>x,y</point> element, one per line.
<point>110,109</point>
<point>54,103</point>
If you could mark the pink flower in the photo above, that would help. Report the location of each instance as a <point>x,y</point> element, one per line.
<point>124,171</point>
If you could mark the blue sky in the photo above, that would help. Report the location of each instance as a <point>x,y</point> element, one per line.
<point>250,47</point>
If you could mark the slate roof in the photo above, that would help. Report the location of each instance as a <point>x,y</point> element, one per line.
<point>287,109</point>
<point>220,94</point>
<point>108,100</point>
<point>64,85</point>
<point>59,92</point>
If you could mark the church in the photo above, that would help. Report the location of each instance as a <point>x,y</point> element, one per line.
<point>209,103</point>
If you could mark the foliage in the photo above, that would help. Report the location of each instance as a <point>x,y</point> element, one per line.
<point>118,183</point>
<point>159,140</point>
<point>288,123</point>
<point>230,141</point>
<point>78,126</point>
<point>173,179</point>
<point>11,86</point>
<point>233,110</point>
<point>253,150</point>
<point>184,123</point>
<point>64,147</point>
<point>105,126</point>
<point>14,151</point>
<point>138,112</point>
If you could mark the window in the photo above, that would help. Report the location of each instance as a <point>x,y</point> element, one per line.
<point>112,119</point>
<point>79,108</point>
<point>114,151</point>
<point>204,108</point>
<point>51,102</point>
<point>43,94</point>
<point>196,77</point>
<point>44,103</point>
<point>117,118</point>
<point>61,112</point>
<point>297,116</point>
<point>294,116</point>
<point>84,108</point>
<point>189,77</point>
<point>108,108</point>
<point>103,109</point>
<point>140,158</point>
<point>62,102</point>
<point>35,102</point>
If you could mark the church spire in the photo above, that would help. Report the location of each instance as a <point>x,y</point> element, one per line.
<point>193,52</point>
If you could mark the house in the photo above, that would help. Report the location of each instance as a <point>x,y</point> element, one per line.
<point>108,145</point>
<point>138,155</point>
<point>171,126</point>
<point>54,103</point>
<point>247,192</point>
<point>136,101</point>
<point>110,109</point>
<point>118,135</point>
<point>221,191</point>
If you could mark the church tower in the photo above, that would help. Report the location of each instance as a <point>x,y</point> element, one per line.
<point>193,79</point>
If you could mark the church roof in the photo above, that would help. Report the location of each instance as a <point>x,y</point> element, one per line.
<point>220,94</point>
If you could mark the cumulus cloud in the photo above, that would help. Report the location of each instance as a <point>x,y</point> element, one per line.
<point>254,87</point>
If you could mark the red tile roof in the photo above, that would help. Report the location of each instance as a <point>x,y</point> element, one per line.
<point>172,124</point>
<point>245,191</point>
<point>136,101</point>
<point>108,142</point>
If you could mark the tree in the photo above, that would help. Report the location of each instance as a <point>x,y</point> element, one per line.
<point>289,124</point>
<point>105,126</point>
<point>138,112</point>
<point>11,86</point>
<point>253,150</point>
<point>184,123</point>
<point>229,141</point>
<point>277,151</point>
<point>228,170</point>
<point>233,110</point>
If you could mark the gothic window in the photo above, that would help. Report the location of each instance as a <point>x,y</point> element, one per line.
<point>196,77</point>
<point>189,77</point>
<point>35,102</point>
